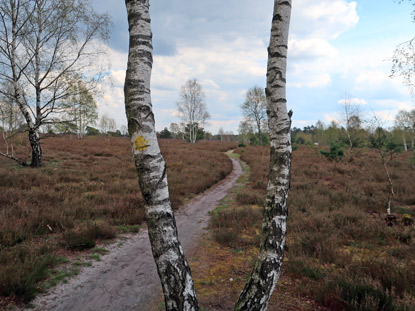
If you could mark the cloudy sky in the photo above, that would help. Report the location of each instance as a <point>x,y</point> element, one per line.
<point>337,48</point>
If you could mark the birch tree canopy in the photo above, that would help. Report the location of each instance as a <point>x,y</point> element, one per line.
<point>254,108</point>
<point>44,45</point>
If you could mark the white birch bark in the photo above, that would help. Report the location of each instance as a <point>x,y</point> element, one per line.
<point>264,277</point>
<point>405,146</point>
<point>172,266</point>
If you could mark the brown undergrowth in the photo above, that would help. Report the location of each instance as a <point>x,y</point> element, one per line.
<point>86,191</point>
<point>339,249</point>
<point>223,261</point>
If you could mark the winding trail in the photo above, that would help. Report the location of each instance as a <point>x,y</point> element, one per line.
<point>126,278</point>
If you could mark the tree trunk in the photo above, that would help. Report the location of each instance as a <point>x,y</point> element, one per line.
<point>405,146</point>
<point>172,266</point>
<point>36,148</point>
<point>264,277</point>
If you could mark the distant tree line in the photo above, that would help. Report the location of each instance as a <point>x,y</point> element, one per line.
<point>183,131</point>
<point>353,134</point>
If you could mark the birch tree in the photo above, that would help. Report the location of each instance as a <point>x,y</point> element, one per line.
<point>81,108</point>
<point>402,123</point>
<point>254,109</point>
<point>172,266</point>
<point>405,122</point>
<point>192,107</point>
<point>43,45</point>
<point>267,270</point>
<point>11,124</point>
<point>403,59</point>
<point>351,121</point>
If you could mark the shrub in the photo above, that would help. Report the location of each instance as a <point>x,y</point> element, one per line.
<point>228,226</point>
<point>85,238</point>
<point>249,197</point>
<point>226,236</point>
<point>336,152</point>
<point>359,294</point>
<point>22,267</point>
<point>299,267</point>
<point>81,240</point>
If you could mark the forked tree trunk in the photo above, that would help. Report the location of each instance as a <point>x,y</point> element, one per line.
<point>172,266</point>
<point>264,277</point>
<point>36,148</point>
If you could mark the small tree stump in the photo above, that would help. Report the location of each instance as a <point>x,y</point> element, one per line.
<point>390,220</point>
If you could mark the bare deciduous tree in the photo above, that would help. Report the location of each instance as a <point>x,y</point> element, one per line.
<point>43,45</point>
<point>107,124</point>
<point>11,124</point>
<point>402,120</point>
<point>254,108</point>
<point>192,107</point>
<point>81,108</point>
<point>403,59</point>
<point>175,130</point>
<point>385,145</point>
<point>351,121</point>
<point>405,122</point>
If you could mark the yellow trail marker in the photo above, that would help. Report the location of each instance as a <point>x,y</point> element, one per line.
<point>140,143</point>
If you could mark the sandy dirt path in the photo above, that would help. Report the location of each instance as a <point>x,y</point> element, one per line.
<point>126,278</point>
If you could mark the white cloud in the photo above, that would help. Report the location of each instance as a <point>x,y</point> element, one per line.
<point>226,51</point>
<point>312,58</point>
<point>222,61</point>
<point>396,104</point>
<point>118,77</point>
<point>385,117</point>
<point>352,101</point>
<point>323,19</point>
<point>221,69</point>
<point>310,48</point>
<point>215,125</point>
<point>330,117</point>
<point>312,81</point>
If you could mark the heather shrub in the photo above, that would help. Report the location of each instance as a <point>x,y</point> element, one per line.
<point>88,191</point>
<point>356,294</point>
<point>236,226</point>
<point>86,237</point>
<point>22,267</point>
<point>338,243</point>
<point>250,197</point>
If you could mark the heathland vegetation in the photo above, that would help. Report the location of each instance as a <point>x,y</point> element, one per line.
<point>85,192</point>
<point>340,251</point>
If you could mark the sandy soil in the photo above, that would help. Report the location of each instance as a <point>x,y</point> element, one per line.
<point>126,278</point>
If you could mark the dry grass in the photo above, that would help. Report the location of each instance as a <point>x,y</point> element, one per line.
<point>88,190</point>
<point>338,243</point>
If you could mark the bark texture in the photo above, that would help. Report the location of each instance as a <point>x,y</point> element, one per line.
<point>264,277</point>
<point>36,148</point>
<point>172,266</point>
